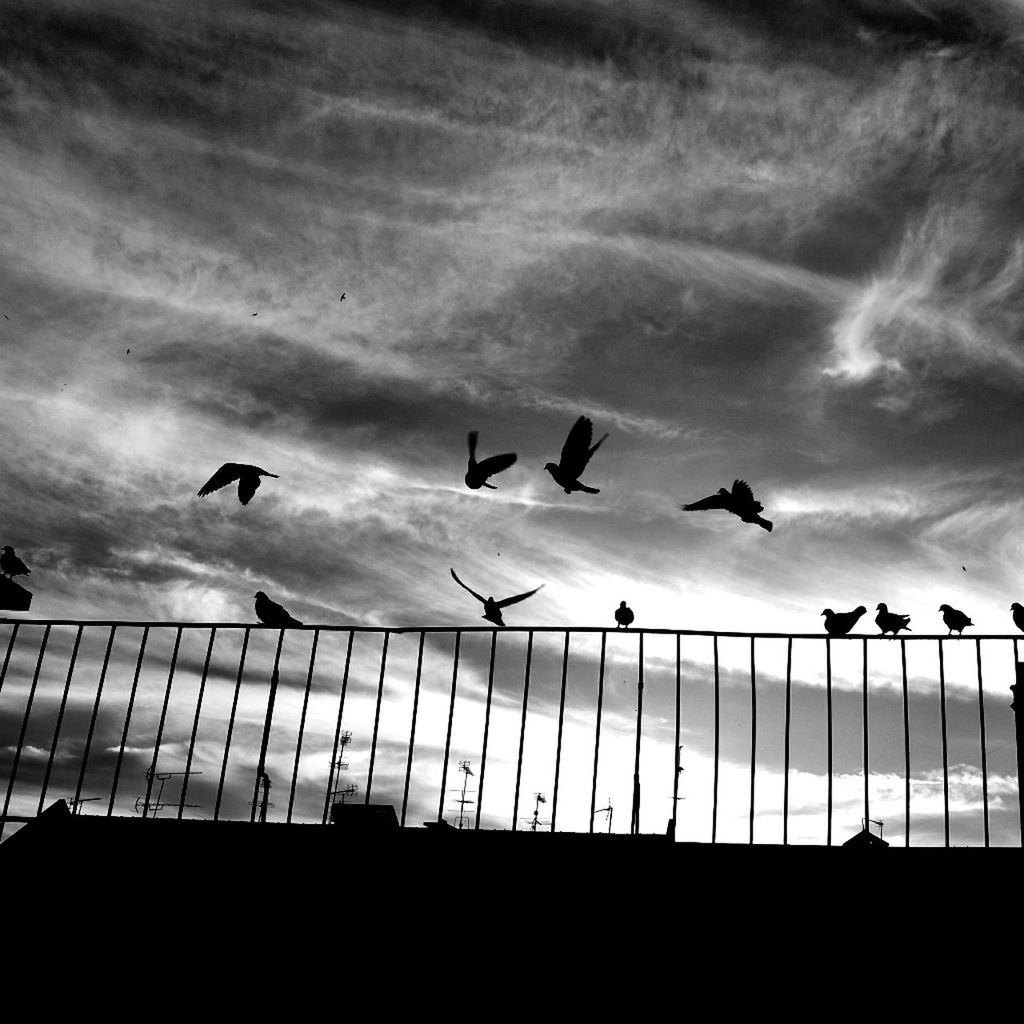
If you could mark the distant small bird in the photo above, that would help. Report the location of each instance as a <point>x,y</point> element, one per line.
<point>255,314</point>
<point>954,619</point>
<point>739,501</point>
<point>248,478</point>
<point>11,565</point>
<point>127,351</point>
<point>891,622</point>
<point>576,453</point>
<point>272,614</point>
<point>1018,615</point>
<point>840,623</point>
<point>623,615</point>
<point>492,608</point>
<point>343,294</point>
<point>478,472</point>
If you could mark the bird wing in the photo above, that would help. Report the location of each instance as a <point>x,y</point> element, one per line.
<point>711,501</point>
<point>228,473</point>
<point>496,463</point>
<point>247,484</point>
<point>576,450</point>
<point>519,597</point>
<point>482,600</point>
<point>744,496</point>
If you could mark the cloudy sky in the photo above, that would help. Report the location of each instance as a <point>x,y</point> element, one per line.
<point>778,242</point>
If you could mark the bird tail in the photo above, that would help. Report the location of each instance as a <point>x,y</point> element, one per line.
<point>472,443</point>
<point>589,490</point>
<point>764,523</point>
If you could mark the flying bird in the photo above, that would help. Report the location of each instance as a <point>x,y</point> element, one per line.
<point>478,472</point>
<point>271,613</point>
<point>576,453</point>
<point>11,565</point>
<point>248,478</point>
<point>623,615</point>
<point>954,619</point>
<point>891,622</point>
<point>1018,615</point>
<point>739,501</point>
<point>840,623</point>
<point>492,608</point>
<point>343,294</point>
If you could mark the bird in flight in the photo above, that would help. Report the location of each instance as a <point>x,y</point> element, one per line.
<point>954,619</point>
<point>1018,615</point>
<point>492,608</point>
<point>248,478</point>
<point>11,565</point>
<point>478,472</point>
<point>739,501</point>
<point>343,294</point>
<point>840,623</point>
<point>272,614</point>
<point>576,453</point>
<point>623,615</point>
<point>891,622</point>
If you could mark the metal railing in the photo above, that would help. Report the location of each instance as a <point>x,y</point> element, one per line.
<point>97,711</point>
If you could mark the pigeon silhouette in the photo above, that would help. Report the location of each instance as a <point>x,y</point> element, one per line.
<point>739,501</point>
<point>11,565</point>
<point>272,614</point>
<point>479,472</point>
<point>840,623</point>
<point>954,619</point>
<point>1018,615</point>
<point>623,615</point>
<point>492,608</point>
<point>248,478</point>
<point>891,622</point>
<point>576,453</point>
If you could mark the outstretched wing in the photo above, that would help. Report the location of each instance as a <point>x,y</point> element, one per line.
<point>247,485</point>
<point>712,501</point>
<point>576,450</point>
<point>519,597</point>
<point>744,496</point>
<point>496,463</point>
<point>482,600</point>
<point>228,473</point>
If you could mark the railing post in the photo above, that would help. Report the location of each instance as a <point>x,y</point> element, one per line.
<point>1017,704</point>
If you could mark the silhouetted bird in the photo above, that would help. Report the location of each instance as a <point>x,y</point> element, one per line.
<point>840,623</point>
<point>623,615</point>
<point>492,608</point>
<point>891,622</point>
<point>1018,615</point>
<point>478,472</point>
<point>954,619</point>
<point>271,613</point>
<point>248,478</point>
<point>739,501</point>
<point>576,453</point>
<point>343,294</point>
<point>11,565</point>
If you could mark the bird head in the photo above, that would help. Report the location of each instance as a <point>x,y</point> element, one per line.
<point>881,607</point>
<point>551,467</point>
<point>7,547</point>
<point>859,610</point>
<point>1015,607</point>
<point>622,604</point>
<point>944,608</point>
<point>259,594</point>
<point>828,611</point>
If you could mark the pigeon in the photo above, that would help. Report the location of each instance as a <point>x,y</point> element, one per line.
<point>891,622</point>
<point>623,615</point>
<point>478,472</point>
<point>11,565</point>
<point>840,623</point>
<point>576,453</point>
<point>271,613</point>
<point>1018,615</point>
<point>492,608</point>
<point>954,619</point>
<point>739,501</point>
<point>248,478</point>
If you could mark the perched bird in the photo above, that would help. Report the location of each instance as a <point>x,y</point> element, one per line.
<point>11,565</point>
<point>623,615</point>
<point>840,623</point>
<point>576,453</point>
<point>248,478</point>
<point>271,613</point>
<point>478,472</point>
<point>492,608</point>
<point>1018,615</point>
<point>739,501</point>
<point>891,622</point>
<point>954,619</point>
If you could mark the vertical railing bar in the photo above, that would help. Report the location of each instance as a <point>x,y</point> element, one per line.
<point>1020,780</point>
<point>945,752</point>
<point>24,729</point>
<point>785,749</point>
<point>261,764</point>
<point>412,729</point>
<point>94,716</point>
<point>376,716</point>
<point>231,722</point>
<point>337,728</point>
<point>522,728</point>
<point>867,770</point>
<point>634,820</point>
<point>561,719</point>
<point>487,725</point>
<point>451,718</point>
<point>60,719</point>
<point>984,756</point>
<point>127,721</point>
<point>597,732</point>
<point>906,743</point>
<point>195,721</point>
<point>7,656</point>
<point>677,766</point>
<point>753,735</point>
<point>302,722</point>
<point>714,800</point>
<point>828,698</point>
<point>160,725</point>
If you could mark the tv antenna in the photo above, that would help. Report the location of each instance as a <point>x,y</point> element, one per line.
<point>76,805</point>
<point>609,810</point>
<point>156,806</point>
<point>462,801</point>
<point>675,799</point>
<point>262,782</point>
<point>347,791</point>
<point>340,764</point>
<point>872,821</point>
<point>535,820</point>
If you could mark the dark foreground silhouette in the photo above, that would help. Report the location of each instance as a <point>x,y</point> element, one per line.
<point>492,608</point>
<point>954,619</point>
<point>11,565</point>
<point>271,613</point>
<point>623,615</point>
<point>739,501</point>
<point>576,453</point>
<point>1018,615</point>
<point>891,622</point>
<point>840,623</point>
<point>248,478</point>
<point>478,473</point>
